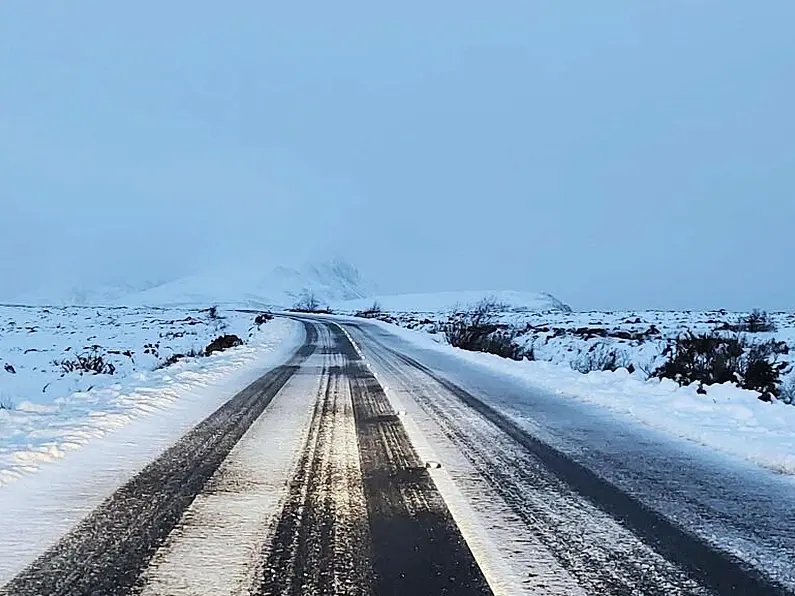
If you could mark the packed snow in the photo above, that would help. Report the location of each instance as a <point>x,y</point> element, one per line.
<point>725,418</point>
<point>51,405</point>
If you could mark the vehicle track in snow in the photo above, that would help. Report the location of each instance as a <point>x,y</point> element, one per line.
<point>362,515</point>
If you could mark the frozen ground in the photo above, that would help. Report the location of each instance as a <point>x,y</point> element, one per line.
<point>49,411</point>
<point>728,419</point>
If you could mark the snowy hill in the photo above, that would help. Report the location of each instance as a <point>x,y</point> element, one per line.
<point>447,301</point>
<point>248,285</point>
<point>77,295</point>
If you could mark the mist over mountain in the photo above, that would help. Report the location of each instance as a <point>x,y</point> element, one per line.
<point>334,282</point>
<point>86,294</point>
<point>253,285</point>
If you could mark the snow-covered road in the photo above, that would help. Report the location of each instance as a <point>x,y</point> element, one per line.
<point>371,464</point>
<point>563,464</point>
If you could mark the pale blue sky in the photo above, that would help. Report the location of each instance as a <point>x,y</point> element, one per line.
<point>617,154</point>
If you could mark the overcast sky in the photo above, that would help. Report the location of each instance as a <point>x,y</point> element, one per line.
<point>617,154</point>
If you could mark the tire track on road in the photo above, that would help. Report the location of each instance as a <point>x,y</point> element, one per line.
<point>320,544</point>
<point>417,547</point>
<point>363,516</point>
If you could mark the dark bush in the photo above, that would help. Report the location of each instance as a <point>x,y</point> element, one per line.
<point>601,357</point>
<point>223,342</point>
<point>467,334</point>
<point>262,318</point>
<point>711,358</point>
<point>762,370</point>
<point>706,358</point>
<point>468,329</point>
<point>174,358</point>
<point>152,349</point>
<point>372,312</point>
<point>92,362</point>
<point>483,338</point>
<point>502,344</point>
<point>758,321</point>
<point>475,330</point>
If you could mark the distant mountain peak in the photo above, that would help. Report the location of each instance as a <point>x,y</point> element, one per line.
<point>329,281</point>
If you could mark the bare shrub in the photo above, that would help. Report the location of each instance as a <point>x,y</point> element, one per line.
<point>758,321</point>
<point>309,303</point>
<point>219,323</point>
<point>501,343</point>
<point>601,357</point>
<point>476,330</point>
<point>487,307</point>
<point>370,312</point>
<point>91,362</point>
<point>648,367</point>
<point>467,332</point>
<point>174,358</point>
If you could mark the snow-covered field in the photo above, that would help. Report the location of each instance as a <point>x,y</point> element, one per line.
<point>638,337</point>
<point>726,418</point>
<point>440,302</point>
<point>50,405</point>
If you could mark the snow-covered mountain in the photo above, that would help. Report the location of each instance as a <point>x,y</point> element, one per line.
<point>447,301</point>
<point>252,285</point>
<point>334,283</point>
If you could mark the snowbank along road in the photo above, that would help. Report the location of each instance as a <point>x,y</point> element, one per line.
<point>364,465</point>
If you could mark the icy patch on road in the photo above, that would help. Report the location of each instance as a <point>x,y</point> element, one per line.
<point>103,448</point>
<point>728,419</point>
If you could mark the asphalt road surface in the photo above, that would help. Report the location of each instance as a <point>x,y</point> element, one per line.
<point>365,465</point>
